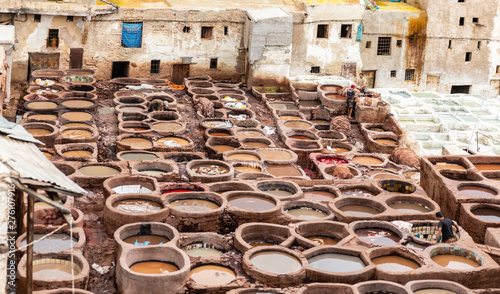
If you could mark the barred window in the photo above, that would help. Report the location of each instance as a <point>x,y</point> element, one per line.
<point>410,75</point>
<point>155,66</point>
<point>368,44</point>
<point>213,63</point>
<point>393,73</point>
<point>315,69</point>
<point>384,46</point>
<point>53,38</point>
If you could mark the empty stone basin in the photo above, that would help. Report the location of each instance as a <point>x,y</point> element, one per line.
<point>201,91</point>
<point>128,155</point>
<point>216,123</point>
<point>206,245</point>
<point>66,169</point>
<point>230,92</point>
<point>132,116</point>
<point>456,258</point>
<point>477,191</point>
<point>212,275</point>
<point>252,235</point>
<point>86,95</point>
<point>284,190</point>
<point>99,170</point>
<point>184,157</point>
<point>396,186</point>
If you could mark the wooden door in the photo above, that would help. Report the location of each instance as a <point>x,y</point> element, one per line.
<point>38,61</point>
<point>179,73</point>
<point>349,70</point>
<point>370,78</point>
<point>432,83</point>
<point>75,58</point>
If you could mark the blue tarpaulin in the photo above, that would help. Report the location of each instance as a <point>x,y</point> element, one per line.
<point>132,35</point>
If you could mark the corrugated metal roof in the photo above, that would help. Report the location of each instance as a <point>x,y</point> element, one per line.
<point>19,154</point>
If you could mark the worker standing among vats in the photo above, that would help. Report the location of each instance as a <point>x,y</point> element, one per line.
<point>362,83</point>
<point>445,229</point>
<point>350,101</point>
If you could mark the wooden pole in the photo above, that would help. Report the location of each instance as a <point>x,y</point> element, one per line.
<point>29,251</point>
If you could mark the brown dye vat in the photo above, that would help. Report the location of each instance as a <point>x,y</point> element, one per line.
<point>210,169</point>
<point>297,137</point>
<point>309,103</point>
<point>290,117</point>
<point>357,192</point>
<point>409,207</point>
<point>53,243</point>
<point>143,240</point>
<point>306,213</point>
<point>255,144</point>
<point>47,154</point>
<point>43,117</point>
<point>218,134</point>
<point>74,153</point>
<point>217,124</point>
<point>172,142</point>
<point>378,236</point>
<point>319,121</point>
<point>322,240</point>
<point>487,214</point>
<point>76,125</point>
<point>250,134</point>
<point>359,210</point>
<point>394,263</point>
<point>367,160</point>
<point>434,291</point>
<point>131,109</point>
<point>76,134</point>
<point>57,269</point>
<point>137,143</point>
<point>39,132</point>
<point>194,205</point>
<point>138,156</point>
<point>98,171</point>
<point>487,166</point>
<point>455,262</point>
<point>270,154</point>
<point>283,170</point>
<point>386,141</point>
<point>278,192</point>
<point>337,263</point>
<point>247,169</point>
<point>297,125</point>
<point>321,196</point>
<point>212,275</point>
<point>330,88</point>
<point>251,203</point>
<point>385,176</point>
<point>336,97</point>
<point>42,105</point>
<point>166,127</point>
<point>153,267</point>
<point>260,243</point>
<point>243,156</point>
<point>223,148</point>
<point>77,103</point>
<point>135,129</point>
<point>76,116</point>
<point>446,165</point>
<point>137,206</point>
<point>276,262</point>
<point>477,191</point>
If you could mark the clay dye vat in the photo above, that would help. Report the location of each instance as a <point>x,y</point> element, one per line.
<point>166,127</point>
<point>338,150</point>
<point>138,156</point>
<point>247,168</point>
<point>285,170</point>
<point>319,121</point>
<point>77,103</point>
<point>152,172</point>
<point>278,192</point>
<point>177,191</point>
<point>249,134</point>
<point>274,154</point>
<point>321,196</point>
<point>434,291</point>
<point>220,134</point>
<point>202,250</point>
<point>409,207</point>
<point>144,240</point>
<point>386,142</point>
<point>153,267</point>
<point>137,143</point>
<point>54,269</point>
<point>477,191</point>
<point>255,145</point>
<point>359,210</point>
<point>77,124</point>
<point>98,171</point>
<point>446,165</point>
<point>276,262</point>
<point>194,205</point>
<point>48,155</point>
<point>455,262</point>
<point>53,243</point>
<point>75,153</point>
<point>76,116</point>
<point>331,160</point>
<point>243,156</point>
<point>298,137</point>
<point>395,263</point>
<point>377,236</point>
<point>217,124</point>
<point>487,214</point>
<point>42,105</point>
<point>336,97</point>
<point>322,240</point>
<point>212,275</point>
<point>76,134</point>
<point>261,243</point>
<point>39,132</point>
<point>297,124</point>
<point>368,160</point>
<point>251,203</point>
<point>306,213</point>
<point>223,148</point>
<point>487,166</point>
<point>172,142</point>
<point>124,189</point>
<point>210,169</point>
<point>290,117</point>
<point>43,116</point>
<point>137,206</point>
<point>385,176</point>
<point>337,263</point>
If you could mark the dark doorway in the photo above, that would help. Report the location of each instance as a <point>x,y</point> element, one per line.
<point>120,69</point>
<point>464,89</point>
<point>38,61</point>
<point>179,73</point>
<point>370,76</point>
<point>75,58</point>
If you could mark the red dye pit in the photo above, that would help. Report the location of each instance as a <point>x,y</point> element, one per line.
<point>331,160</point>
<point>176,191</point>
